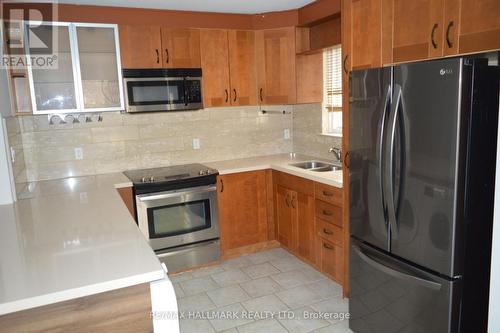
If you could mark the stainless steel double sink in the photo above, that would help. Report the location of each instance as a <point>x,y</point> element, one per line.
<point>317,166</point>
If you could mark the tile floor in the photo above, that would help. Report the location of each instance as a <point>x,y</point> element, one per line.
<point>270,291</point>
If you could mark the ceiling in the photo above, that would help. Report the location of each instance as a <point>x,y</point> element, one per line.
<point>220,6</point>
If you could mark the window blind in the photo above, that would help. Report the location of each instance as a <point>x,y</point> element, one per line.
<point>332,60</point>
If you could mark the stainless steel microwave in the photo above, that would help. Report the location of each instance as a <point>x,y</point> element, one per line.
<point>153,90</point>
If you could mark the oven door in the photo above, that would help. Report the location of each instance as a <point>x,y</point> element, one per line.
<point>155,94</point>
<point>180,217</point>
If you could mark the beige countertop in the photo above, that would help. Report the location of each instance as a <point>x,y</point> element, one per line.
<point>280,162</point>
<point>70,238</point>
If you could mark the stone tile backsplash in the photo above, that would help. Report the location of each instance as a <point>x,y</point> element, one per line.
<point>124,141</point>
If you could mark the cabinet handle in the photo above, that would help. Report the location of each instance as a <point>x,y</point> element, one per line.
<point>292,202</point>
<point>227,95</point>
<point>327,231</point>
<point>434,44</point>
<point>287,200</point>
<point>235,95</point>
<point>347,160</point>
<point>327,246</point>
<point>344,64</point>
<point>448,41</point>
<point>327,194</point>
<point>327,213</point>
<point>221,186</point>
<point>168,57</point>
<point>260,95</point>
<point>157,56</point>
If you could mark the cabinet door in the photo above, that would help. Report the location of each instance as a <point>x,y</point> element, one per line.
<point>181,48</point>
<point>417,29</point>
<point>100,72</point>
<point>53,89</point>
<point>276,66</point>
<point>479,26</point>
<point>242,209</point>
<point>366,30</point>
<point>140,46</point>
<point>285,216</point>
<point>242,67</point>
<point>304,204</point>
<point>215,66</point>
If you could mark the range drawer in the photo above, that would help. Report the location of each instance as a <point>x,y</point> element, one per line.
<point>328,194</point>
<point>329,232</point>
<point>329,213</point>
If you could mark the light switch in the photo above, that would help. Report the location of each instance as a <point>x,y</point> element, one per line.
<point>196,143</point>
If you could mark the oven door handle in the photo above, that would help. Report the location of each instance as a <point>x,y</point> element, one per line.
<point>171,194</point>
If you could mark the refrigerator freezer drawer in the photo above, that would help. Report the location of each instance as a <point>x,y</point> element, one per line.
<point>388,295</point>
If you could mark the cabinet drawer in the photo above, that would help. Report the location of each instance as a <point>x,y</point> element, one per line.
<point>294,183</point>
<point>328,194</point>
<point>329,232</point>
<point>329,213</point>
<point>332,260</point>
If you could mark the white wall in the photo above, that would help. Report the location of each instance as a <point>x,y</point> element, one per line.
<point>494,309</point>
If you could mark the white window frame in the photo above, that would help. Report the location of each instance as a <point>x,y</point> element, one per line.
<point>326,114</point>
<point>77,75</point>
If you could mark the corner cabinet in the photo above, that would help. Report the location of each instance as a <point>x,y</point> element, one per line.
<point>86,76</point>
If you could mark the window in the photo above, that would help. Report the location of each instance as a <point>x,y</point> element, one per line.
<point>332,91</point>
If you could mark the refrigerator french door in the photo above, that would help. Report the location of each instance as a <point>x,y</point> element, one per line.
<point>422,148</point>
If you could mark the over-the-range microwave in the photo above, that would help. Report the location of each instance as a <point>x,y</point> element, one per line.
<point>159,89</point>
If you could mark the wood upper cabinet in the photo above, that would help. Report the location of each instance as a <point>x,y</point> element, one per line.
<point>140,46</point>
<point>242,201</point>
<point>276,66</point>
<point>415,27</point>
<point>366,33</point>
<point>478,29</point>
<point>309,69</point>
<point>242,67</point>
<point>215,66</point>
<point>180,47</point>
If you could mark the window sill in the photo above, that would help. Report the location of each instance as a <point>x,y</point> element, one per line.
<point>334,135</point>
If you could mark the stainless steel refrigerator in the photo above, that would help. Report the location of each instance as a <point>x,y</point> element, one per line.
<point>422,167</point>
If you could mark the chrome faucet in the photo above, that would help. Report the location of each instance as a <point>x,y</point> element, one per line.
<point>337,152</point>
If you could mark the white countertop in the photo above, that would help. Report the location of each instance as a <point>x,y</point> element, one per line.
<point>70,238</point>
<point>279,162</point>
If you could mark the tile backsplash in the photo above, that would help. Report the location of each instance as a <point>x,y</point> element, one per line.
<point>307,127</point>
<point>131,141</point>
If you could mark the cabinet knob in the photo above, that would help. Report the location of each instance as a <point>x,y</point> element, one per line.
<point>327,231</point>
<point>328,246</point>
<point>327,212</point>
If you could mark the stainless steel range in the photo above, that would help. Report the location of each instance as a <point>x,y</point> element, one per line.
<point>177,212</point>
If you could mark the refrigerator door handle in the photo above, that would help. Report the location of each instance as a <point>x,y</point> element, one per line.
<point>389,160</point>
<point>381,150</point>
<point>395,273</point>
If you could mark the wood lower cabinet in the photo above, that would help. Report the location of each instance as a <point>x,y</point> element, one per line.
<point>242,199</point>
<point>140,46</point>
<point>305,226</point>
<point>276,66</point>
<point>127,195</point>
<point>180,47</point>
<point>286,218</point>
<point>331,260</point>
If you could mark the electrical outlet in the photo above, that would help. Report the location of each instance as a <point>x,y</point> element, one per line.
<point>286,134</point>
<point>79,153</point>
<point>196,143</point>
